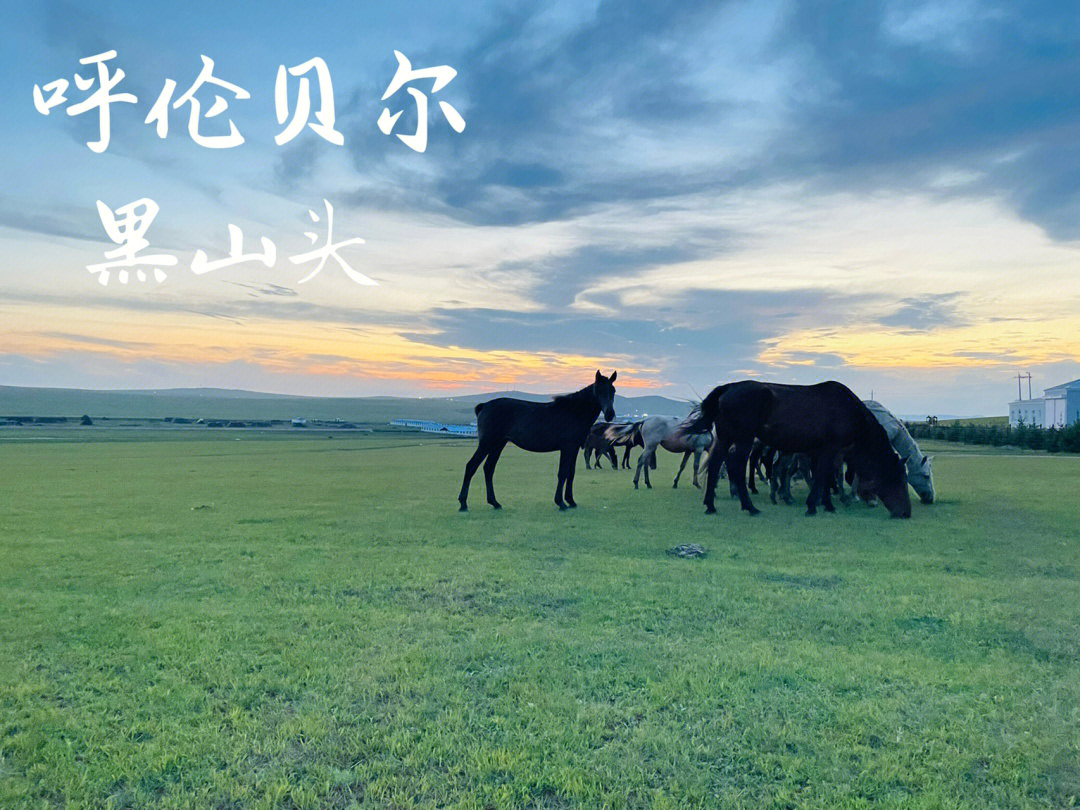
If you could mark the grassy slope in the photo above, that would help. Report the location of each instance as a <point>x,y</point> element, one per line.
<point>218,404</point>
<point>978,420</point>
<point>329,631</point>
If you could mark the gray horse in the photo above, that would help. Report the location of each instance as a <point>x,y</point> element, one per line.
<point>670,433</point>
<point>919,467</point>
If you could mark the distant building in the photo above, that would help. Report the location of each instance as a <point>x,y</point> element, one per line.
<point>428,426</point>
<point>1059,406</point>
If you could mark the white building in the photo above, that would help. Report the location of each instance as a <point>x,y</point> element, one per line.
<point>429,426</point>
<point>1058,407</point>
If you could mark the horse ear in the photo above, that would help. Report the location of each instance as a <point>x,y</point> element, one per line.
<point>614,374</point>
<point>599,376</point>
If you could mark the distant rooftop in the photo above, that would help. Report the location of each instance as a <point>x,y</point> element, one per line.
<point>1061,389</point>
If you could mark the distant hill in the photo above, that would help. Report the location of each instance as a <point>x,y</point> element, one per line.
<point>217,403</point>
<point>205,393</point>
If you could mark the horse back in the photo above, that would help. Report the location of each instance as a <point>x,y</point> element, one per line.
<point>537,426</point>
<point>803,418</point>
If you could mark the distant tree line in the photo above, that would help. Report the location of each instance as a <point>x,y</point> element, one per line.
<point>1030,437</point>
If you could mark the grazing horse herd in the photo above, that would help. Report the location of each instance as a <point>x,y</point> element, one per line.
<point>823,432</point>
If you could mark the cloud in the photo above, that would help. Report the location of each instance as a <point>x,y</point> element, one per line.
<point>52,222</point>
<point>992,91</point>
<point>926,312</point>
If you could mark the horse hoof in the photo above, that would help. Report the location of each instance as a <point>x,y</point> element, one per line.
<point>496,505</point>
<point>830,508</point>
<point>675,485</point>
<point>562,506</point>
<point>572,504</point>
<point>811,512</point>
<point>753,511</point>
<point>710,510</point>
<point>463,508</point>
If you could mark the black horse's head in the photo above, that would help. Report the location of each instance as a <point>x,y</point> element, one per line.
<point>604,388</point>
<point>886,477</point>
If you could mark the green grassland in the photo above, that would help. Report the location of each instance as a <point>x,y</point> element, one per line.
<point>305,623</point>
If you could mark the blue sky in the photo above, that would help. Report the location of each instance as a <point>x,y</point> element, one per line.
<point>885,193</point>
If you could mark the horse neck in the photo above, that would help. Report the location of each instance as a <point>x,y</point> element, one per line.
<point>875,442</point>
<point>583,403</point>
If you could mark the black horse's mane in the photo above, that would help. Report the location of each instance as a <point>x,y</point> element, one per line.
<point>575,398</point>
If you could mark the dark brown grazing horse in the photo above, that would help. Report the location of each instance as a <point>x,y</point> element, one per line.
<point>539,427</point>
<point>605,437</point>
<point>823,420</point>
<point>597,442</point>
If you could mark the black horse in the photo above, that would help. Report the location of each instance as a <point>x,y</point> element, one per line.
<point>823,420</point>
<point>540,427</point>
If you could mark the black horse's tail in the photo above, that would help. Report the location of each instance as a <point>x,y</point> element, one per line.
<point>704,415</point>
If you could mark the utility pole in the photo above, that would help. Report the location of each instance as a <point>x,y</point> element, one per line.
<point>1019,390</point>
<point>1029,384</point>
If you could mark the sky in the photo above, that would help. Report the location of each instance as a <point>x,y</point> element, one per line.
<point>882,193</point>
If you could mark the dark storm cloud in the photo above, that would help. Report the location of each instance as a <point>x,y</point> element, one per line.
<point>923,87</point>
<point>896,94</point>
<point>533,150</point>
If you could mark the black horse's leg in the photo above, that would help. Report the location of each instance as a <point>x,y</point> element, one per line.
<point>733,489</point>
<point>470,470</point>
<point>489,473</point>
<point>685,458</point>
<point>563,454</point>
<point>614,458</point>
<point>824,471</point>
<point>712,473</point>
<point>814,497</point>
<point>588,452</point>
<point>697,466</point>
<point>767,460</point>
<point>626,458</point>
<point>752,470</point>
<point>570,479</point>
<point>737,472</point>
<point>789,472</point>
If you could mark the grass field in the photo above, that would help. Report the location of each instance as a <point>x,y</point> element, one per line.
<point>306,623</point>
